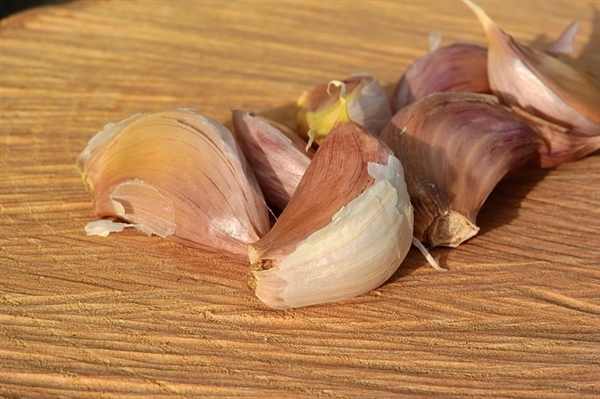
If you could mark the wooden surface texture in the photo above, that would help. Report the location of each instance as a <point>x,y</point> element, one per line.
<point>517,315</point>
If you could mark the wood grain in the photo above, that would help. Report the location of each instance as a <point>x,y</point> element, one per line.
<point>518,315</point>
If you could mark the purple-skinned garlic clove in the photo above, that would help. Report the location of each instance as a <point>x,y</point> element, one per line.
<point>277,155</point>
<point>455,147</point>
<point>456,67</point>
<point>543,85</point>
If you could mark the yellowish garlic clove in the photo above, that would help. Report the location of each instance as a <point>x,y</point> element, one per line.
<point>455,147</point>
<point>540,84</point>
<point>346,229</point>
<point>456,67</point>
<point>176,174</point>
<point>359,98</point>
<point>276,154</point>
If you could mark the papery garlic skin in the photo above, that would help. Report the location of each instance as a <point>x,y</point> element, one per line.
<point>176,174</point>
<point>455,147</point>
<point>141,202</point>
<point>359,98</point>
<point>358,232</point>
<point>104,227</point>
<point>540,83</point>
<point>278,160</point>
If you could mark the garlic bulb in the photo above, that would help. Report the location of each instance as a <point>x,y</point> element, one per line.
<point>541,84</point>
<point>176,174</point>
<point>277,156</point>
<point>455,147</point>
<point>359,98</point>
<point>346,229</point>
<point>457,67</point>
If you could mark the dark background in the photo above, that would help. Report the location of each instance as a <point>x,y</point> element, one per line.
<point>8,7</point>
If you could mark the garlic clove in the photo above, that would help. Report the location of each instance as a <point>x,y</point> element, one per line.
<point>455,147</point>
<point>540,83</point>
<point>456,67</point>
<point>359,98</point>
<point>345,231</point>
<point>276,154</point>
<point>176,174</point>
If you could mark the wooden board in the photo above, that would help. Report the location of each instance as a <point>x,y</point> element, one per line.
<point>134,316</point>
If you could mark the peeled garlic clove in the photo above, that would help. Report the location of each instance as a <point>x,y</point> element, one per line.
<point>346,229</point>
<point>539,83</point>
<point>455,147</point>
<point>277,157</point>
<point>359,98</point>
<point>176,174</point>
<point>457,67</point>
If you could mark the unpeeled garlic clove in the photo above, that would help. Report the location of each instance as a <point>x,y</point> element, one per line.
<point>455,147</point>
<point>540,83</point>
<point>456,67</point>
<point>359,98</point>
<point>276,154</point>
<point>346,229</point>
<point>176,174</point>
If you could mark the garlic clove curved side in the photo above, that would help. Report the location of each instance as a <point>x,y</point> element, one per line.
<point>277,157</point>
<point>455,147</point>
<point>345,231</point>
<point>456,67</point>
<point>176,174</point>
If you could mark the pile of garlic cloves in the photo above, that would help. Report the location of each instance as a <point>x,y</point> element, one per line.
<point>328,209</point>
<point>466,115</point>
